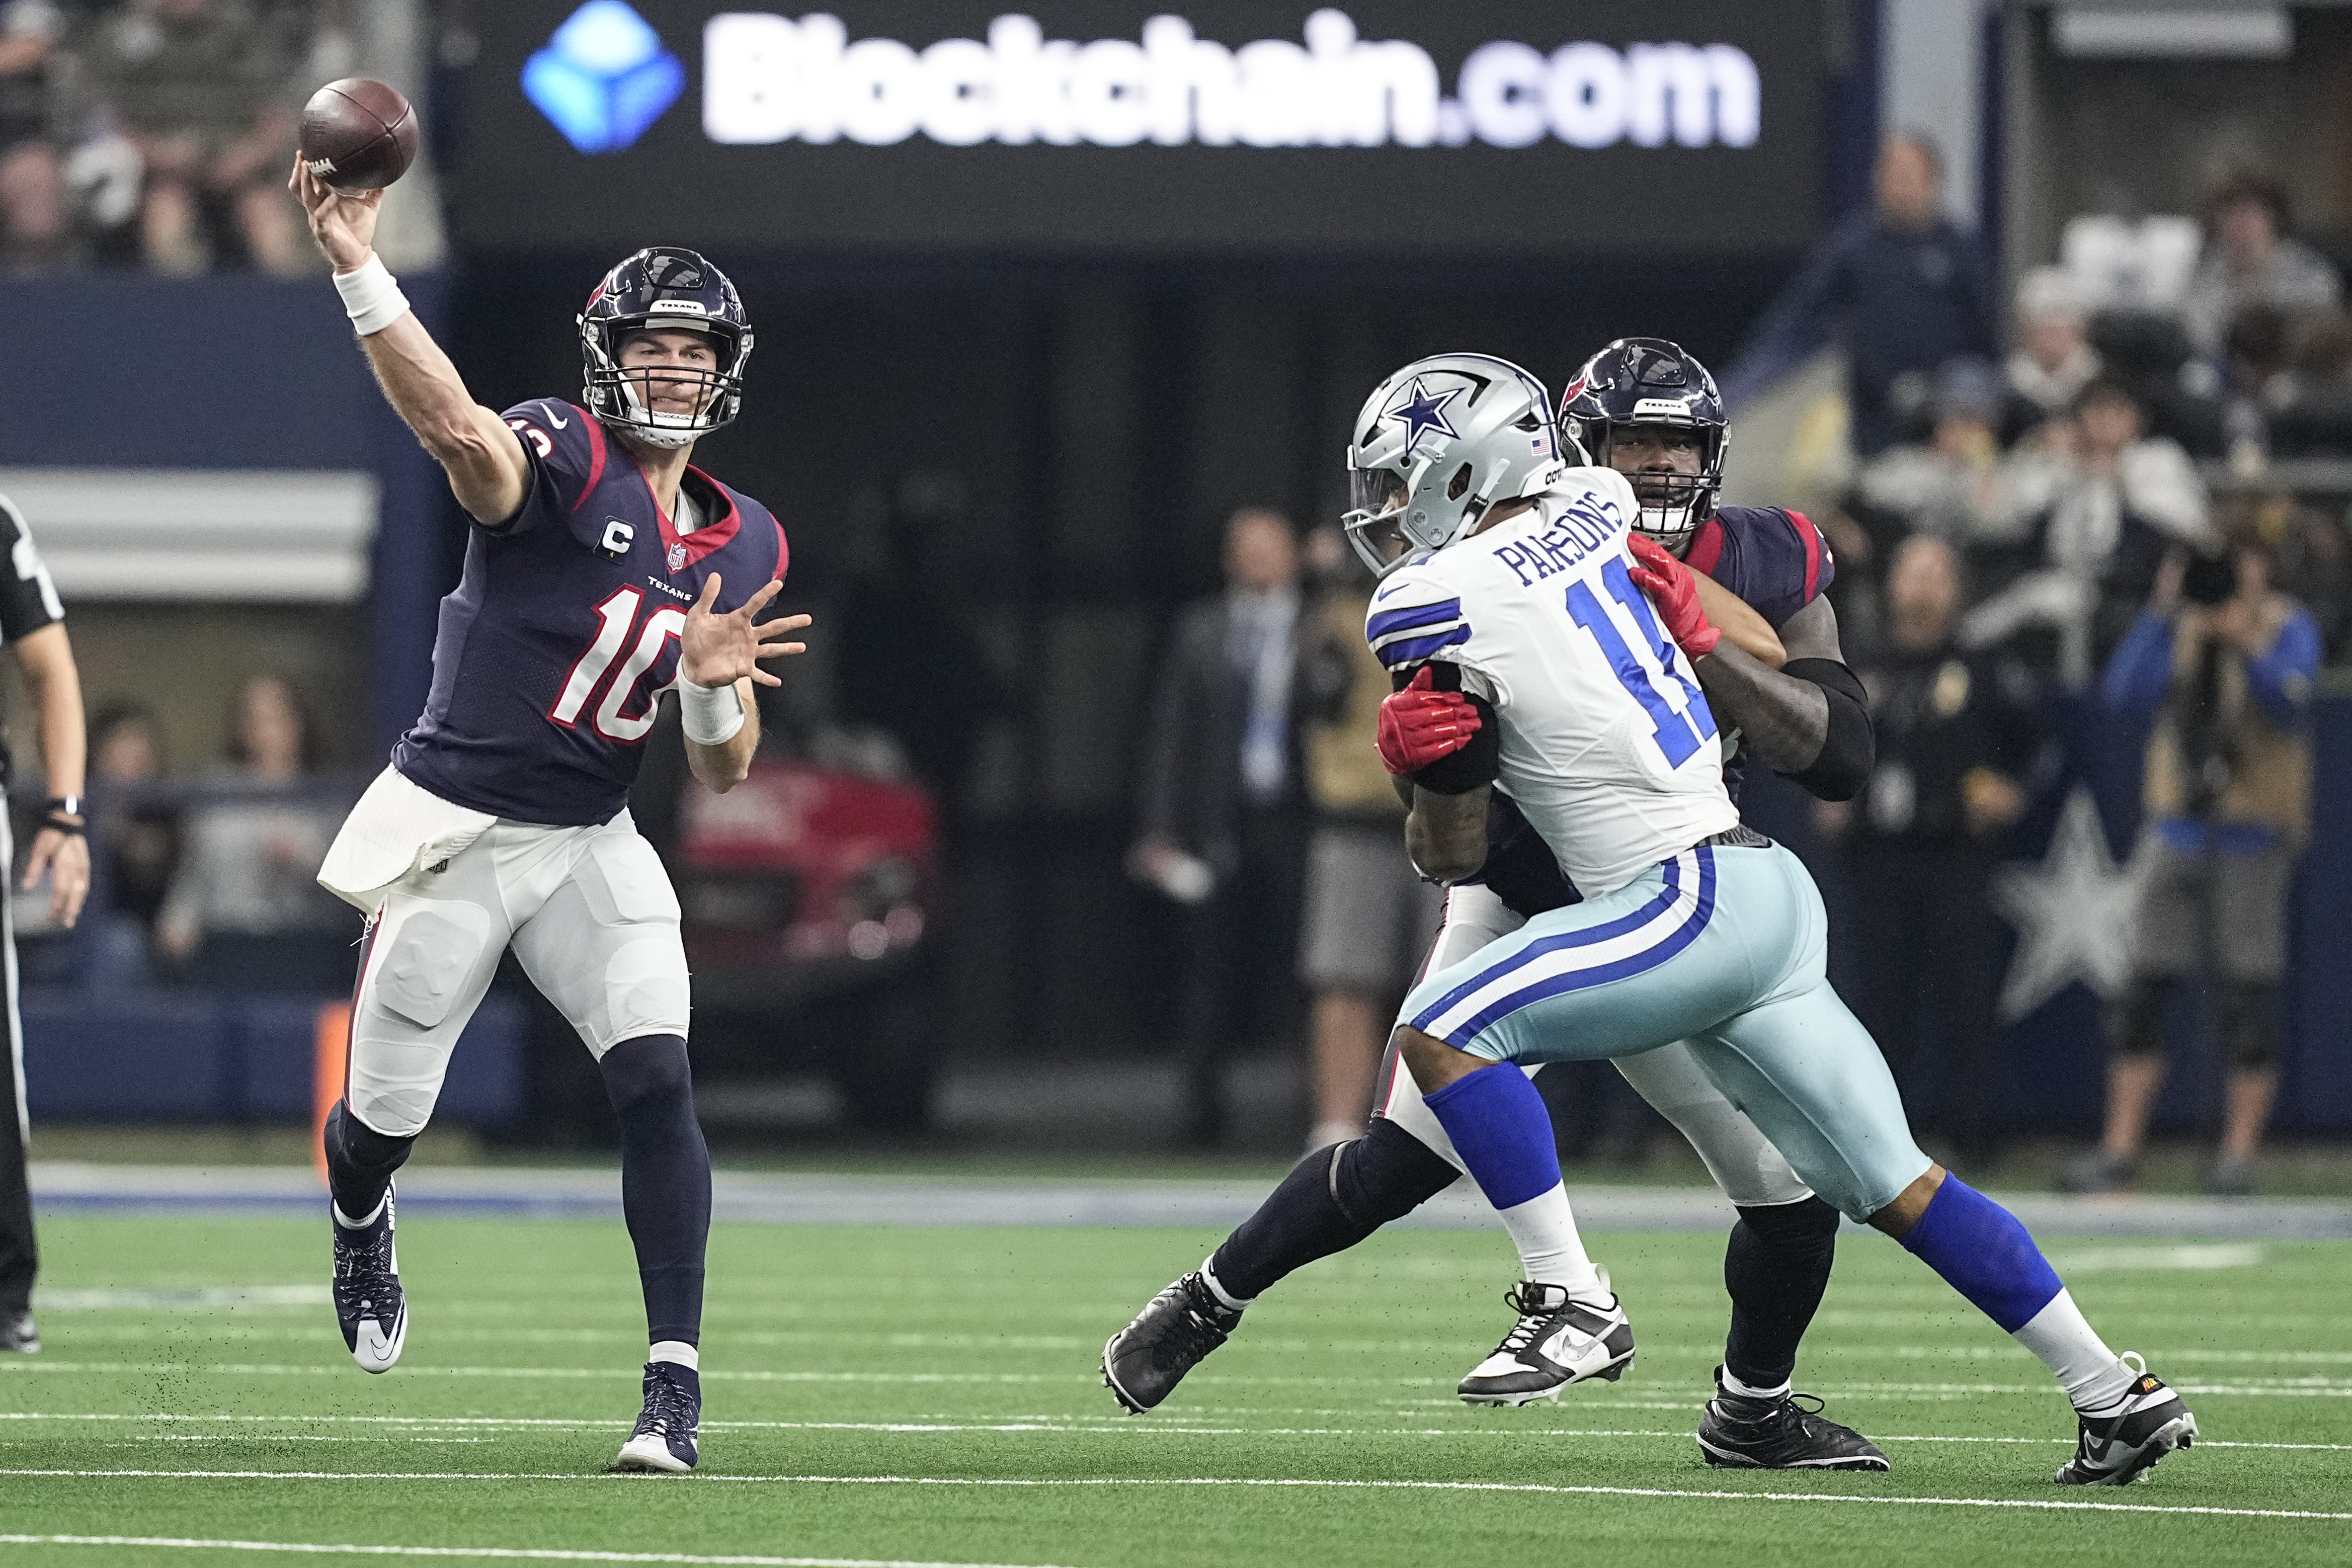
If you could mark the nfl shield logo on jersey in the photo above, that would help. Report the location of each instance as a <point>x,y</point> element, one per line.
<point>676,557</point>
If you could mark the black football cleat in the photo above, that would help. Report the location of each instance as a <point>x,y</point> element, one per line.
<point>1737,1433</point>
<point>1557,1342</point>
<point>669,1428</point>
<point>1143,1362</point>
<point>17,1333</point>
<point>2115,1449</point>
<point>368,1300</point>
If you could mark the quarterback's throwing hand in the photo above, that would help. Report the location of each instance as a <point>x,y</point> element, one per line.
<point>720,649</point>
<point>1419,725</point>
<point>343,222</point>
<point>1673,588</point>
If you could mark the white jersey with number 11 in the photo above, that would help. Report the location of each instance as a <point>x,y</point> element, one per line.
<point>1607,744</point>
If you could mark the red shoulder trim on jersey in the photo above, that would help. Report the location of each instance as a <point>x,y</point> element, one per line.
<point>1705,547</point>
<point>783,549</point>
<point>679,553</point>
<point>595,457</point>
<point>1810,538</point>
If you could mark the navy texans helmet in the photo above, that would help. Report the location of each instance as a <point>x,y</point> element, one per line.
<point>664,288</point>
<point>1648,381</point>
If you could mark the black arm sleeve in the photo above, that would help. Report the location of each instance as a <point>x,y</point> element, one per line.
<point>1849,751</point>
<point>1459,772</point>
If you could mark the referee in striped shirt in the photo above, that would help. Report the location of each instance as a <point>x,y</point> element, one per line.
<point>32,624</point>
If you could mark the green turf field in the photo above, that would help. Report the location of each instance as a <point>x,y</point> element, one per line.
<point>930,1397</point>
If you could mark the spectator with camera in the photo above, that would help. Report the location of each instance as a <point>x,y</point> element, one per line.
<point>2222,663</point>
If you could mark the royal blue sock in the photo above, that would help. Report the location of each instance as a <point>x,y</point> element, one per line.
<point>1984,1253</point>
<point>1502,1131</point>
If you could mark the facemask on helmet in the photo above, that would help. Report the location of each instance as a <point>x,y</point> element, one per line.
<point>1437,446</point>
<point>1638,382</point>
<point>659,290</point>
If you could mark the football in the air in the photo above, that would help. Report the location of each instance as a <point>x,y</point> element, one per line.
<point>358,134</point>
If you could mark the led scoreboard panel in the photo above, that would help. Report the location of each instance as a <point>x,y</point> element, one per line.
<point>1191,126</point>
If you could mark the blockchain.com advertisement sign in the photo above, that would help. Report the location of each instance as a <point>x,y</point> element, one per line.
<point>1188,127</point>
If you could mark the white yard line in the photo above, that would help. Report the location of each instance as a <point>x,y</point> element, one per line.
<point>1248,1482</point>
<point>2277,1387</point>
<point>548,1554</point>
<point>1081,1425</point>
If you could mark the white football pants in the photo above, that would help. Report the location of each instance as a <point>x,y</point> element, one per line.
<point>591,916</point>
<point>1744,1164</point>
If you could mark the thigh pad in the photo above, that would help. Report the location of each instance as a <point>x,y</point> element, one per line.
<point>434,947</point>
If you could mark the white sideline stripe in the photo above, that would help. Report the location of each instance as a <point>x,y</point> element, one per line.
<point>85,1334</point>
<point>1111,1424</point>
<point>2277,1387</point>
<point>544,1554</point>
<point>1318,1484</point>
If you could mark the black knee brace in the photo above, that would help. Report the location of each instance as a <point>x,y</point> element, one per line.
<point>1331,1200</point>
<point>2246,1012</point>
<point>360,1161</point>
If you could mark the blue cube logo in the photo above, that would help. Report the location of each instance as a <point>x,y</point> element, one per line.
<point>603,78</point>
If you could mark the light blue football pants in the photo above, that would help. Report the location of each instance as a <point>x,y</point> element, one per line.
<point>1724,948</point>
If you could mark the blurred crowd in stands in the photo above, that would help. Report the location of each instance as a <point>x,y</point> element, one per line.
<point>2122,518</point>
<point>2154,380</point>
<point>157,133</point>
<point>207,879</point>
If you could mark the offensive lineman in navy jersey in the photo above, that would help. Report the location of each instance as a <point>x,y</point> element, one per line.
<point>1648,409</point>
<point>602,570</point>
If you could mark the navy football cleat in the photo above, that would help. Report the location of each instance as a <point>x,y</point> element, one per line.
<point>1742,1434</point>
<point>368,1300</point>
<point>2115,1449</point>
<point>1143,1362</point>
<point>1557,1342</point>
<point>669,1427</point>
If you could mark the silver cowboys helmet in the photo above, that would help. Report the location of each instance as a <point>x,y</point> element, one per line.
<point>1439,444</point>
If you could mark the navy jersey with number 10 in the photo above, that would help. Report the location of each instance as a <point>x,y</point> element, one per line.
<point>553,651</point>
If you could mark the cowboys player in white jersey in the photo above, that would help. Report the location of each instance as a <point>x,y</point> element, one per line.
<point>1568,662</point>
<point>1654,411</point>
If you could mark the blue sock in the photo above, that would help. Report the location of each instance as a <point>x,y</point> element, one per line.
<point>1502,1131</point>
<point>1984,1253</point>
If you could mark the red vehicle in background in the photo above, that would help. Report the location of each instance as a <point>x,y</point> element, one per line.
<point>809,897</point>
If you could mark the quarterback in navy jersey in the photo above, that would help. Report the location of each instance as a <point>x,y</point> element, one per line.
<point>1649,409</point>
<point>602,570</point>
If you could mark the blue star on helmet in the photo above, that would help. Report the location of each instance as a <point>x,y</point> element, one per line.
<point>1422,411</point>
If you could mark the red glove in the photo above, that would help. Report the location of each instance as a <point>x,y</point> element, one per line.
<point>1673,587</point>
<point>1419,725</point>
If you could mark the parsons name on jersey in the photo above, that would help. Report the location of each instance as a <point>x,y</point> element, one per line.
<point>1607,744</point>
<point>553,651</point>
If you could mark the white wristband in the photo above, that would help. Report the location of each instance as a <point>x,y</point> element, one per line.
<point>712,715</point>
<point>371,298</point>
